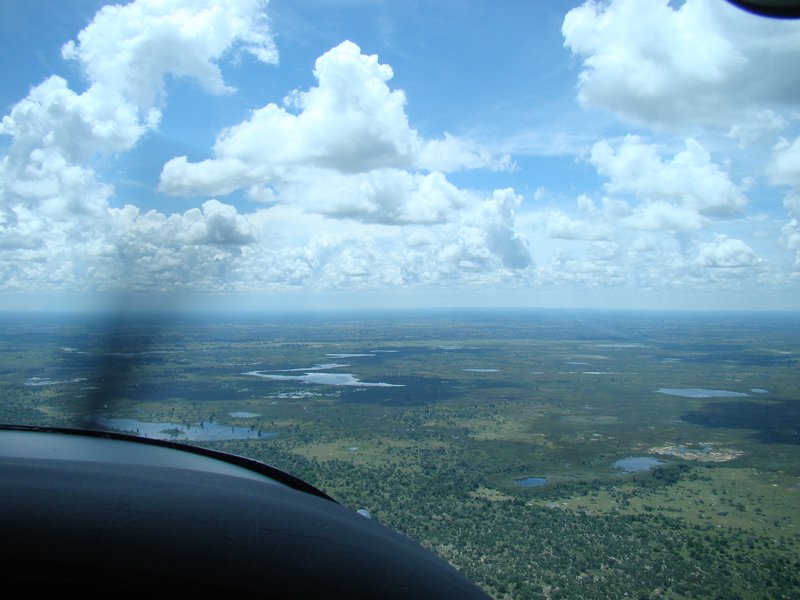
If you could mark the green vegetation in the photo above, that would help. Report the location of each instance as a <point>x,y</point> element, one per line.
<point>485,399</point>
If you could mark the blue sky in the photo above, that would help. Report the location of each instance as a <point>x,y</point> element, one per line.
<point>624,153</point>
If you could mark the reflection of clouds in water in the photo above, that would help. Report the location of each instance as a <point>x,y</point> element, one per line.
<point>298,395</point>
<point>607,373</point>
<point>316,374</point>
<point>42,381</point>
<point>322,367</point>
<point>343,379</point>
<point>456,347</point>
<point>700,393</point>
<point>620,345</point>
<point>71,350</point>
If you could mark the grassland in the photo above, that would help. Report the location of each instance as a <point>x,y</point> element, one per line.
<point>478,400</point>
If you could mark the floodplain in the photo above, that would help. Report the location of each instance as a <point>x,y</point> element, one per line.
<point>431,420</point>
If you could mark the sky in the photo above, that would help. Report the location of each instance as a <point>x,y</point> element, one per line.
<point>377,154</point>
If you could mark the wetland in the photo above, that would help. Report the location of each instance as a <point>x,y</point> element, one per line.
<point>482,435</point>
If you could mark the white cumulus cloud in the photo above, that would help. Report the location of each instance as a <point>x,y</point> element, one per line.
<point>792,203</point>
<point>559,225</point>
<point>663,216</point>
<point>352,122</point>
<point>132,48</point>
<point>696,62</point>
<point>55,222</point>
<point>350,196</point>
<point>689,180</point>
<point>785,165</point>
<point>126,53</point>
<point>726,253</point>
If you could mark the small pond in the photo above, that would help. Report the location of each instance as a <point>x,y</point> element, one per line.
<point>529,482</point>
<point>634,464</point>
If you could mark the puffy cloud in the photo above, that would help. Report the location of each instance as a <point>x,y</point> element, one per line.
<point>308,251</point>
<point>387,196</point>
<point>214,224</point>
<point>697,65</point>
<point>350,123</point>
<point>586,204</point>
<point>54,213</point>
<point>791,203</point>
<point>726,253</point>
<point>76,125</point>
<point>655,263</point>
<point>217,223</point>
<point>123,248</point>
<point>700,62</point>
<point>46,179</point>
<point>126,53</point>
<point>785,169</point>
<point>498,215</point>
<point>216,248</point>
<point>689,180</point>
<point>211,177</point>
<point>760,124</point>
<point>352,205</point>
<point>349,154</point>
<point>790,235</point>
<point>454,154</point>
<point>663,216</point>
<point>587,271</point>
<point>352,197</point>
<point>785,165</point>
<point>559,225</point>
<point>790,240</point>
<point>477,245</point>
<point>130,49</point>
